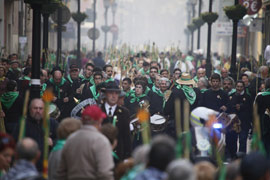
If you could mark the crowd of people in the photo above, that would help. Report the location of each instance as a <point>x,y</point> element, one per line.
<point>95,132</point>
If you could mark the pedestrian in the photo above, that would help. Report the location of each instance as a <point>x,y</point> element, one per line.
<point>7,147</point>
<point>87,153</point>
<point>27,153</point>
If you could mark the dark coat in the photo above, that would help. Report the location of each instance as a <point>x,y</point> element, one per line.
<point>63,92</point>
<point>135,106</point>
<point>34,130</point>
<point>123,148</point>
<point>215,100</point>
<point>13,114</point>
<point>245,112</point>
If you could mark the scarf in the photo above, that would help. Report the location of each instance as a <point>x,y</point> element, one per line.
<point>150,81</point>
<point>136,98</point>
<point>59,145</point>
<point>130,92</point>
<point>69,78</point>
<point>57,86</point>
<point>94,92</point>
<point>8,98</point>
<point>25,78</point>
<point>115,155</point>
<point>266,92</point>
<point>189,93</point>
<point>109,80</point>
<point>203,90</point>
<point>232,91</point>
<point>157,91</point>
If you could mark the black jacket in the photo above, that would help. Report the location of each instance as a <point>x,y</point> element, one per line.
<point>123,148</point>
<point>34,130</point>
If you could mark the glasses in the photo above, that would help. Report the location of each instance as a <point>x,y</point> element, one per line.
<point>153,71</point>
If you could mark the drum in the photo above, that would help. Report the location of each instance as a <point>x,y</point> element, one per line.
<point>158,123</point>
<point>54,111</point>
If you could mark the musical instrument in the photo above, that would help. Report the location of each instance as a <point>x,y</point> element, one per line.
<point>158,123</point>
<point>230,121</point>
<point>79,107</point>
<point>54,111</point>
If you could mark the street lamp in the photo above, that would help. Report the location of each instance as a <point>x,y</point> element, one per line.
<point>114,28</point>
<point>105,28</point>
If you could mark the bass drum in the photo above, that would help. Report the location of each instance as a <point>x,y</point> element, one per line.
<point>54,111</point>
<point>158,123</point>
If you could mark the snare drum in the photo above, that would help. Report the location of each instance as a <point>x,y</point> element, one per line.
<point>54,111</point>
<point>158,123</point>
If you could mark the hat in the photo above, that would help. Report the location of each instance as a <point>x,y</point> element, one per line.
<point>112,86</point>
<point>185,79</point>
<point>93,112</point>
<point>14,61</point>
<point>73,67</point>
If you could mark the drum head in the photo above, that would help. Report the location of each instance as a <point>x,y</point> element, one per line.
<point>52,108</point>
<point>157,119</point>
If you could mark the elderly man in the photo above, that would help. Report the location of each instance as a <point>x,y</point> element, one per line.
<point>28,154</point>
<point>87,153</point>
<point>228,86</point>
<point>110,107</point>
<point>200,73</point>
<point>34,127</point>
<point>61,90</point>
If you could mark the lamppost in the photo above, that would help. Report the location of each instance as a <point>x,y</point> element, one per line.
<point>114,32</point>
<point>94,40</point>
<point>59,35</point>
<point>105,28</point>
<point>35,81</point>
<point>209,18</point>
<point>199,28</point>
<point>79,37</point>
<point>193,4</point>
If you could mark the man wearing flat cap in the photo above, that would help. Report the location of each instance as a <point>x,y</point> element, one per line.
<point>14,71</point>
<point>87,153</point>
<point>119,116</point>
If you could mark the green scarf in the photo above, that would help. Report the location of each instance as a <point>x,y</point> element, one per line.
<point>266,92</point>
<point>59,145</point>
<point>136,98</point>
<point>57,87</point>
<point>196,79</point>
<point>69,78</point>
<point>109,80</point>
<point>147,90</point>
<point>157,91</point>
<point>232,91</point>
<point>94,92</point>
<point>143,72</point>
<point>189,93</point>
<point>115,155</point>
<point>150,81</point>
<point>203,90</point>
<point>25,78</point>
<point>8,98</point>
<point>130,92</point>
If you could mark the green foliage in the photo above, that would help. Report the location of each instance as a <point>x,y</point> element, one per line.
<point>209,17</point>
<point>192,27</point>
<point>235,12</point>
<point>198,22</point>
<point>79,17</point>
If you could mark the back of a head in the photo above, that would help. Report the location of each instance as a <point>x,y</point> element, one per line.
<point>140,154</point>
<point>27,149</point>
<point>110,132</point>
<point>205,170</point>
<point>11,85</point>
<point>161,153</point>
<point>254,166</point>
<point>67,127</point>
<point>180,169</point>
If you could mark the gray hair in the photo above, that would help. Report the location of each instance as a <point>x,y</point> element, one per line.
<point>181,169</point>
<point>140,154</point>
<point>27,149</point>
<point>204,81</point>
<point>262,68</point>
<point>229,79</point>
<point>165,79</point>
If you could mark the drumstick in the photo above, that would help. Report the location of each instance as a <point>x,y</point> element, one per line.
<point>177,109</point>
